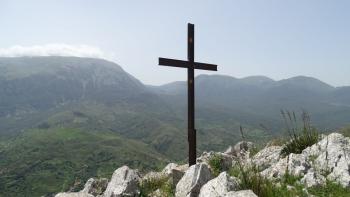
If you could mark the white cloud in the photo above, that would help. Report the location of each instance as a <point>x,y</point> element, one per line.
<point>53,50</point>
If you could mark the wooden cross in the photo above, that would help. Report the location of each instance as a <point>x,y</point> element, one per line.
<point>190,65</point>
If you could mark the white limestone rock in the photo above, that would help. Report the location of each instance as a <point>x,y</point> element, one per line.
<point>242,193</point>
<point>175,172</point>
<point>312,179</point>
<point>96,186</point>
<point>267,157</point>
<point>219,186</point>
<point>73,194</point>
<point>192,181</point>
<point>296,164</point>
<point>241,149</point>
<point>124,183</point>
<point>93,187</point>
<point>331,156</point>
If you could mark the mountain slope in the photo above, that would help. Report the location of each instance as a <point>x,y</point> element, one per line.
<point>60,115</point>
<point>40,162</point>
<point>94,94</point>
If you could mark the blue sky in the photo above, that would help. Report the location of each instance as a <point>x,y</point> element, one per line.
<point>278,39</point>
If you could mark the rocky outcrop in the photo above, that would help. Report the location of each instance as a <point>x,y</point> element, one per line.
<point>267,157</point>
<point>219,186</point>
<point>313,179</point>
<point>124,183</point>
<point>93,187</point>
<point>293,164</point>
<point>192,181</point>
<point>241,149</point>
<point>327,160</point>
<point>175,172</point>
<point>331,157</point>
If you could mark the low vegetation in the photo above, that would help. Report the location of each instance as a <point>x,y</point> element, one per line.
<point>215,163</point>
<point>331,189</point>
<point>345,131</point>
<point>150,185</point>
<point>300,138</point>
<point>252,180</point>
<point>288,186</point>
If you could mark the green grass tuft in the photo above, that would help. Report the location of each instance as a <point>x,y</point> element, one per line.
<point>252,180</point>
<point>215,163</point>
<point>287,186</point>
<point>331,189</point>
<point>164,184</point>
<point>300,138</point>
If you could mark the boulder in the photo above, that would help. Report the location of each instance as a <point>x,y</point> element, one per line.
<point>124,183</point>
<point>331,156</point>
<point>294,164</point>
<point>241,149</point>
<point>267,157</point>
<point>96,186</point>
<point>172,173</point>
<point>242,193</point>
<point>219,186</point>
<point>192,181</point>
<point>93,187</point>
<point>175,172</point>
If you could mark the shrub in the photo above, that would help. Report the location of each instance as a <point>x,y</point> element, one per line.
<point>150,185</point>
<point>345,131</point>
<point>168,189</point>
<point>300,138</point>
<point>329,190</point>
<point>252,180</point>
<point>215,163</point>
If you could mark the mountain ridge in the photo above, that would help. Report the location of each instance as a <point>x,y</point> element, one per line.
<point>100,99</point>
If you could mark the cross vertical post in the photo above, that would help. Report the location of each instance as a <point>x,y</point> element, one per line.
<point>192,153</point>
<point>190,65</point>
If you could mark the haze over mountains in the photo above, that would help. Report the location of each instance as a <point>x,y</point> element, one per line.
<point>61,114</point>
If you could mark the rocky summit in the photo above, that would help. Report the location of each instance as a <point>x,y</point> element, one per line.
<point>238,172</point>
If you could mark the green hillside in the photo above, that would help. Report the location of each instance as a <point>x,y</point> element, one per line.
<point>39,162</point>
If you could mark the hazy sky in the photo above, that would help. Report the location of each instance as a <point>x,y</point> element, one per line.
<point>279,39</point>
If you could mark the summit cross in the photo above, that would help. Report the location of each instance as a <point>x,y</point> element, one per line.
<point>191,65</point>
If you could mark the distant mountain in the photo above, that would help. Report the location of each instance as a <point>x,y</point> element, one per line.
<point>64,114</point>
<point>308,83</point>
<point>260,81</point>
<point>30,84</point>
<point>260,98</point>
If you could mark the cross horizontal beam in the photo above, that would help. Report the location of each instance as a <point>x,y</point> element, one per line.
<point>186,64</point>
